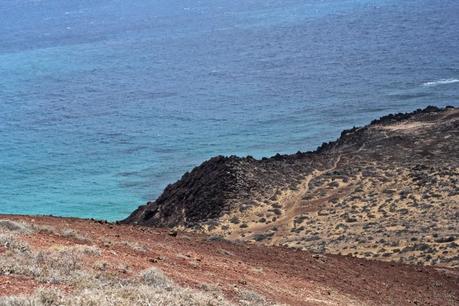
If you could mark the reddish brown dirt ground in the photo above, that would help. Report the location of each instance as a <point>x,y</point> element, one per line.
<point>283,275</point>
<point>12,285</point>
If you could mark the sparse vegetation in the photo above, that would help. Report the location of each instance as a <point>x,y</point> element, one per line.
<point>69,266</point>
<point>122,295</point>
<point>235,220</point>
<point>13,226</point>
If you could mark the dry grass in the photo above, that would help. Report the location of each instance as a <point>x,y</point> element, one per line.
<point>13,226</point>
<point>62,266</point>
<point>248,297</point>
<point>23,228</point>
<point>66,232</point>
<point>405,213</point>
<point>117,295</point>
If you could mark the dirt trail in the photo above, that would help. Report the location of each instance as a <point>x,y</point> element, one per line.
<point>291,202</point>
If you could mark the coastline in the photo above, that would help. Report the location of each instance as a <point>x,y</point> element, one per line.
<point>386,190</point>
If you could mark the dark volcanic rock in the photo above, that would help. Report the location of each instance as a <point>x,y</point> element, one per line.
<point>197,196</point>
<point>394,179</point>
<point>218,186</point>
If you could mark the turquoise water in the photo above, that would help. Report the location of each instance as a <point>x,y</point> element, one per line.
<point>103,103</point>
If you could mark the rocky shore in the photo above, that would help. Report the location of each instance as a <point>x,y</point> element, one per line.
<point>387,191</point>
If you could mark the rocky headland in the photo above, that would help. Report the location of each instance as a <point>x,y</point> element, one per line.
<point>387,191</point>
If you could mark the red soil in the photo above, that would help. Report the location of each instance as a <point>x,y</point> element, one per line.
<point>283,275</point>
<point>13,285</point>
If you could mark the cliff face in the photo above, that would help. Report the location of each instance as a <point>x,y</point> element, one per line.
<point>387,190</point>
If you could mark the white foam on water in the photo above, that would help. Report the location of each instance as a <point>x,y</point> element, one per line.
<point>440,82</point>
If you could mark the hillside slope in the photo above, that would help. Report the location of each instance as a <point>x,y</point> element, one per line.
<point>388,190</point>
<point>62,261</point>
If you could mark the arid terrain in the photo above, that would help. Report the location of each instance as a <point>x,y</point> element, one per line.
<point>387,191</point>
<point>60,261</point>
<point>369,219</point>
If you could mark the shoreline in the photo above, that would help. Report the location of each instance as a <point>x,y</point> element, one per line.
<point>385,119</point>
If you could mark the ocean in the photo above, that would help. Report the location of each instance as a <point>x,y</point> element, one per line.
<point>105,102</point>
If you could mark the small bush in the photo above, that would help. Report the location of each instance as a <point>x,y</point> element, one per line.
<point>137,247</point>
<point>14,226</point>
<point>215,238</point>
<point>72,234</point>
<point>89,250</point>
<point>235,220</point>
<point>66,233</point>
<point>154,277</point>
<point>11,243</point>
<point>248,297</point>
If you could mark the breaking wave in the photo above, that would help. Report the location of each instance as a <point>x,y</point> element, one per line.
<point>440,82</point>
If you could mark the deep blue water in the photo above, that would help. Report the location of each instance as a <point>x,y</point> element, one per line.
<point>105,102</point>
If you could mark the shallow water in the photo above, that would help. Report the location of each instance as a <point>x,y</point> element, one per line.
<point>103,103</point>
